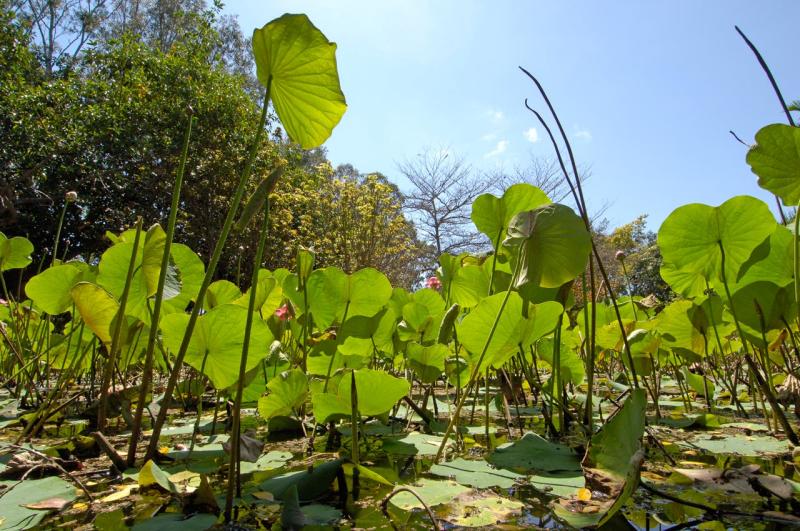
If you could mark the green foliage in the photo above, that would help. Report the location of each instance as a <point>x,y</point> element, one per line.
<point>775,158</point>
<point>298,63</point>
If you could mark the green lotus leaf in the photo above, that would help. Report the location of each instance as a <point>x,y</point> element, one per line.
<point>218,338</point>
<point>50,289</point>
<point>492,215</point>
<point>555,246</point>
<point>97,307</point>
<point>427,362</point>
<point>287,393</point>
<point>691,236</point>
<point>377,392</point>
<point>775,158</point>
<point>221,292</point>
<point>15,253</point>
<point>298,63</point>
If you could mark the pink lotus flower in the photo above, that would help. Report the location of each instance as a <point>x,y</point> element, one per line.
<point>433,283</point>
<point>283,313</point>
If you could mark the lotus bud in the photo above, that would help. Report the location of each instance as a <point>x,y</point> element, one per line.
<point>71,196</point>
<point>241,248</point>
<point>620,255</point>
<point>433,283</point>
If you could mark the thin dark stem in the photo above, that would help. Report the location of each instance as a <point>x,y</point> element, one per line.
<point>578,195</point>
<point>742,142</point>
<point>385,505</point>
<point>767,71</point>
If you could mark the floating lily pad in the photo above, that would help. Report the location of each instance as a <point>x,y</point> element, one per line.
<point>14,514</point>
<point>478,474</point>
<point>563,483</point>
<point>178,522</point>
<point>483,511</point>
<point>432,491</point>
<point>268,461</point>
<point>533,453</point>
<point>740,444</point>
<point>414,443</point>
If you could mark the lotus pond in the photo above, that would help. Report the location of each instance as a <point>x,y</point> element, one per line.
<point>140,391</point>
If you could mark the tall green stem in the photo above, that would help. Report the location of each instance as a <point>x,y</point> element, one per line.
<point>233,468</point>
<point>209,276</point>
<point>147,373</point>
<point>115,340</point>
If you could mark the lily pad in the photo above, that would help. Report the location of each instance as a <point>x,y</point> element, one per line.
<point>483,511</point>
<point>14,514</point>
<point>533,453</point>
<point>478,474</point>
<point>741,444</point>
<point>432,491</point>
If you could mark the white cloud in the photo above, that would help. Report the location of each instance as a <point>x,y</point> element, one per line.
<point>532,135</point>
<point>501,147</point>
<point>488,137</point>
<point>495,115</point>
<point>583,134</point>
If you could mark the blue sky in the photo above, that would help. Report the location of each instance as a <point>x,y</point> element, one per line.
<point>646,90</point>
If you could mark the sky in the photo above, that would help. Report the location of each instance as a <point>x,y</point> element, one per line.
<point>647,91</point>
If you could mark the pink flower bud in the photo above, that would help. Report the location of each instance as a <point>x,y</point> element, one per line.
<point>283,313</point>
<point>71,196</point>
<point>620,255</point>
<point>433,283</point>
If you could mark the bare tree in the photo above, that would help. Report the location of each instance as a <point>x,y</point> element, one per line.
<point>61,28</point>
<point>440,201</point>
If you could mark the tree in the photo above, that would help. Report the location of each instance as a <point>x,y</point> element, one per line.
<point>637,247</point>
<point>111,130</point>
<point>440,202</point>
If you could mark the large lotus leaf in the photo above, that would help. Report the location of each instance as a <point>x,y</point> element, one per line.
<point>332,294</point>
<point>611,465</point>
<point>15,253</point>
<point>761,307</point>
<point>469,286</point>
<point>676,328</point>
<point>152,256</point>
<point>570,364</point>
<point>50,289</point>
<point>532,453</point>
<point>287,393</point>
<point>698,383</point>
<point>555,245</point>
<point>269,294</point>
<point>221,292</point>
<point>377,392</point>
<point>298,63</point>
<point>427,362</point>
<point>17,494</point>
<point>432,491</point>
<point>542,319</point>
<point>775,158</point>
<point>691,236</point>
<point>184,275</point>
<point>368,292</point>
<point>218,338</point>
<point>97,308</point>
<point>492,214</point>
<point>687,283</point>
<point>192,272</point>
<point>474,329</point>
<point>772,261</point>
<point>478,474</point>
